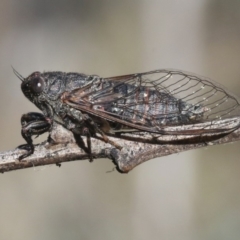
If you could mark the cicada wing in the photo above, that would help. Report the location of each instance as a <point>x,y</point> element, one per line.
<point>161,101</point>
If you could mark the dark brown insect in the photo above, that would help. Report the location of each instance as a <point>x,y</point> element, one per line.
<point>162,106</point>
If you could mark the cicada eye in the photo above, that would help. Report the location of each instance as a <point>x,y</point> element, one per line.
<point>37,84</point>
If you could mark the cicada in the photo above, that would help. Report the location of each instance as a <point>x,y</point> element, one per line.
<point>157,107</point>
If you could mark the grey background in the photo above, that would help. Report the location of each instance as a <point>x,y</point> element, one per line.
<point>192,195</point>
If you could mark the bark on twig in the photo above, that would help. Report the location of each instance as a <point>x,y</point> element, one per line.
<point>65,150</point>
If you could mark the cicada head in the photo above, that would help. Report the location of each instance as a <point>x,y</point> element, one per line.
<point>32,86</point>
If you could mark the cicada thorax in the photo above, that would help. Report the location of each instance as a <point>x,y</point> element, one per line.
<point>59,82</point>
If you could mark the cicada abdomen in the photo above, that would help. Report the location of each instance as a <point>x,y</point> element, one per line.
<point>171,102</point>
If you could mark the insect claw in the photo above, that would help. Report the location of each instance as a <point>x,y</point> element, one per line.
<point>28,148</point>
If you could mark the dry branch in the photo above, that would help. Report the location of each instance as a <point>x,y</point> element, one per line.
<point>65,150</point>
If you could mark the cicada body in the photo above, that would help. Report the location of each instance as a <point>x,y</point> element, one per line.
<point>162,106</point>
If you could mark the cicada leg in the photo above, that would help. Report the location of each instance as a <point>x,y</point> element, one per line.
<point>98,130</point>
<point>81,143</point>
<point>32,124</point>
<point>83,125</point>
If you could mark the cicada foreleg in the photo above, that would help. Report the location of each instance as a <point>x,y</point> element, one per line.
<point>33,124</point>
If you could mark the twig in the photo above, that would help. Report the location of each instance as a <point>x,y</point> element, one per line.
<point>65,150</point>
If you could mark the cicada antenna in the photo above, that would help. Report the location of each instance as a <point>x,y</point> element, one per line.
<point>18,74</point>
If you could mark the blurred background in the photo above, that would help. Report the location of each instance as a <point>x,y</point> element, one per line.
<point>192,195</point>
